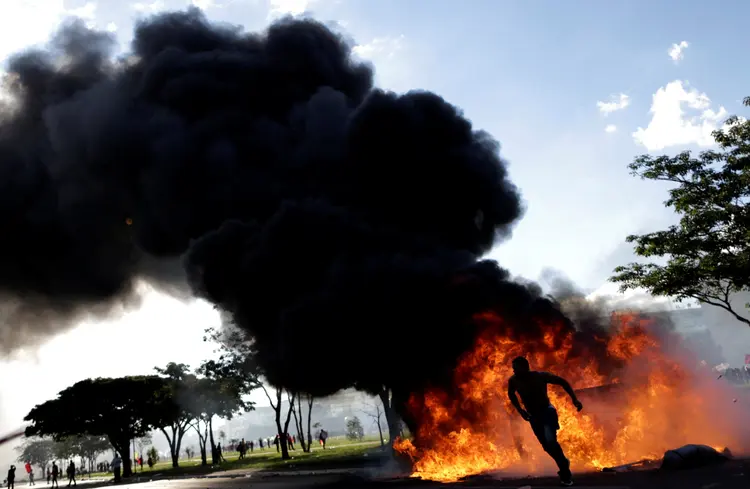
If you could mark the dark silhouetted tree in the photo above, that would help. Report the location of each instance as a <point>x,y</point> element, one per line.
<point>221,391</point>
<point>37,451</point>
<point>354,429</point>
<point>707,255</point>
<point>298,411</point>
<point>120,409</point>
<point>181,382</point>
<point>238,352</point>
<point>282,427</point>
<point>375,412</point>
<point>89,447</point>
<point>153,454</point>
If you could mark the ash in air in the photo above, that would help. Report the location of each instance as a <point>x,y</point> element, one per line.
<point>314,209</point>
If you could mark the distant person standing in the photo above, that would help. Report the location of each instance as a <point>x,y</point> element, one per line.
<point>29,473</point>
<point>71,473</point>
<point>12,477</point>
<point>322,438</point>
<point>55,473</point>
<point>252,446</point>
<point>260,443</point>
<point>116,467</point>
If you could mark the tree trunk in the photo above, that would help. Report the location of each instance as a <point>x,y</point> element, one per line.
<point>123,448</point>
<point>391,417</point>
<point>380,432</point>
<point>178,446</point>
<point>310,399</point>
<point>282,438</point>
<point>175,455</point>
<point>298,423</point>
<point>201,440</point>
<point>286,425</point>
<point>214,452</point>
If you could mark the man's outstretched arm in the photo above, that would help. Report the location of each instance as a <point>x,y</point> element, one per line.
<point>555,380</point>
<point>514,400</point>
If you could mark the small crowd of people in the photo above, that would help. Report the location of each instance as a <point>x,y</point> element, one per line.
<point>115,465</point>
<point>53,474</point>
<point>243,447</point>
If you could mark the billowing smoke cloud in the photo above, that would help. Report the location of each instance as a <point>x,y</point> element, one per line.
<point>319,213</point>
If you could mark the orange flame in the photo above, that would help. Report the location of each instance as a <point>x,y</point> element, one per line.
<point>474,429</point>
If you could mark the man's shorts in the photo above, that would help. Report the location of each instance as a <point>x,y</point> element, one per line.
<point>545,424</point>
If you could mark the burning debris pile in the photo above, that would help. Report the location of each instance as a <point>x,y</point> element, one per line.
<point>312,208</point>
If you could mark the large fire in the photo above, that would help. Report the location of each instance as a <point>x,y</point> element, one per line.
<point>655,404</point>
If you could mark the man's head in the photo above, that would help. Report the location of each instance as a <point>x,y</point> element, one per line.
<point>521,366</point>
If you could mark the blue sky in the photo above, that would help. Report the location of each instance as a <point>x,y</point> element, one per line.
<point>530,72</point>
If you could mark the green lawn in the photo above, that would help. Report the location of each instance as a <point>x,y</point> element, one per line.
<point>338,452</point>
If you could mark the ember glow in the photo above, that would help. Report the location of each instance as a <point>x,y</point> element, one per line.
<point>653,404</point>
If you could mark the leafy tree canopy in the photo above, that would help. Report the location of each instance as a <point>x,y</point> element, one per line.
<point>37,451</point>
<point>354,429</point>
<point>222,388</point>
<point>707,255</point>
<point>120,409</point>
<point>179,383</point>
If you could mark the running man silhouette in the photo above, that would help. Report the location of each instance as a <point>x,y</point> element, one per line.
<point>539,411</point>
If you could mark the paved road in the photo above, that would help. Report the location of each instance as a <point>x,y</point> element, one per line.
<point>734,475</point>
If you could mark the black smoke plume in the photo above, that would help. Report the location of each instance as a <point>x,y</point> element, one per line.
<point>340,225</point>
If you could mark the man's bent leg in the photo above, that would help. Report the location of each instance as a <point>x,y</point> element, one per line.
<point>546,433</point>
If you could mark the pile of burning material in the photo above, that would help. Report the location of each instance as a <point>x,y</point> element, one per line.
<point>638,402</point>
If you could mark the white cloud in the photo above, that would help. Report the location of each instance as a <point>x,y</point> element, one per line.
<point>111,27</point>
<point>387,54</point>
<point>617,102</point>
<point>148,7</point>
<point>203,4</point>
<point>610,128</point>
<point>87,13</point>
<point>380,48</point>
<point>676,51</point>
<point>292,7</point>
<point>25,23</point>
<point>670,125</point>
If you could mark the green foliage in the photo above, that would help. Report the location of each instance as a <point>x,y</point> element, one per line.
<point>65,448</point>
<point>91,446</point>
<point>222,388</point>
<point>37,451</point>
<point>121,409</point>
<point>153,454</point>
<point>708,253</point>
<point>354,429</point>
<point>179,382</point>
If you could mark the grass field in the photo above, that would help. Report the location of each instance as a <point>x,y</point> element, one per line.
<point>339,452</point>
